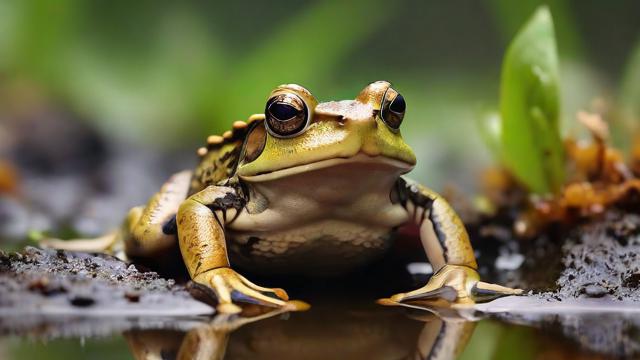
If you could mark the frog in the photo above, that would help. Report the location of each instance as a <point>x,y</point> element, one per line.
<point>306,187</point>
<point>328,332</point>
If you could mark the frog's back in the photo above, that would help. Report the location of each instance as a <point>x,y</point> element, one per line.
<point>219,159</point>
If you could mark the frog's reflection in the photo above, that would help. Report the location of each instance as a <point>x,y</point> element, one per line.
<point>324,332</point>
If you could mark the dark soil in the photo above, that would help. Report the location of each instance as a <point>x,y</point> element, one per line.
<point>591,257</point>
<point>599,261</point>
<point>602,259</point>
<point>56,283</point>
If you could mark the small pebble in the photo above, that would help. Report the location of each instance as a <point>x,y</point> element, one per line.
<point>595,291</point>
<point>82,301</point>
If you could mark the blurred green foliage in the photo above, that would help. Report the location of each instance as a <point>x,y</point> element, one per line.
<point>490,128</point>
<point>495,340</point>
<point>166,75</point>
<point>162,65</point>
<point>630,96</point>
<point>529,107</point>
<point>100,348</point>
<point>510,15</point>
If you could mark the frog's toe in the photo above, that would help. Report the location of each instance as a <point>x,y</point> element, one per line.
<point>229,288</point>
<point>452,283</point>
<point>447,293</point>
<point>483,291</point>
<point>276,293</point>
<point>270,297</point>
<point>456,284</point>
<point>244,293</point>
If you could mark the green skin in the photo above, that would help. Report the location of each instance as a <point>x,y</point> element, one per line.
<point>277,204</point>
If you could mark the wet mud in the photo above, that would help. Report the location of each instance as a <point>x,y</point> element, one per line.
<point>37,284</point>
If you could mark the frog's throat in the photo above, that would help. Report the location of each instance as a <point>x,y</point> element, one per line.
<point>360,158</point>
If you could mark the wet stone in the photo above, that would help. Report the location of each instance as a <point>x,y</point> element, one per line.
<point>633,281</point>
<point>82,301</point>
<point>132,296</point>
<point>595,291</point>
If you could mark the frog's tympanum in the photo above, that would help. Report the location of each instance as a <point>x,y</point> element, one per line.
<point>305,188</point>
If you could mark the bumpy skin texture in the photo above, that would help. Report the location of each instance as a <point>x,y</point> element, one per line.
<point>287,203</point>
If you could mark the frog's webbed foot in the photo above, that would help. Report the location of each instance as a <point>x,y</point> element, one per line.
<point>484,291</point>
<point>456,284</point>
<point>227,287</point>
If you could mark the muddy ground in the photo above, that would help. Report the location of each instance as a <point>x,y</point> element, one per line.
<point>66,285</point>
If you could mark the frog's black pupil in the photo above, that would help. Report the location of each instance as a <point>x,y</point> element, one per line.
<point>282,111</point>
<point>398,105</point>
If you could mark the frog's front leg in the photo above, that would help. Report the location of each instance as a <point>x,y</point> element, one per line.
<point>201,220</point>
<point>448,249</point>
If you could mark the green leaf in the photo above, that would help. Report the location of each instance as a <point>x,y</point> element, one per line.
<point>490,130</point>
<point>531,144</point>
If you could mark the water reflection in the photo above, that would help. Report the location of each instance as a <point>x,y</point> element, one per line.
<point>528,328</point>
<point>599,325</point>
<point>324,332</point>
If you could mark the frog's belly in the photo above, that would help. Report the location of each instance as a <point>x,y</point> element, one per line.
<point>323,248</point>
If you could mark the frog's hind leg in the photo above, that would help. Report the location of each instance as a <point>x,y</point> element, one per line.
<point>144,232</point>
<point>151,230</point>
<point>103,243</point>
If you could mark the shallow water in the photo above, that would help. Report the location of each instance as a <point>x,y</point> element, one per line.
<point>344,322</point>
<point>348,330</point>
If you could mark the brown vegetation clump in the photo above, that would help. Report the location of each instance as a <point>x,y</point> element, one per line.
<point>598,179</point>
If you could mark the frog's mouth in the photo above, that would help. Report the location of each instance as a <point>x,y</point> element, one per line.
<point>361,158</point>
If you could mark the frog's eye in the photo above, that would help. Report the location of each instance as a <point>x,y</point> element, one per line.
<point>286,115</point>
<point>392,109</point>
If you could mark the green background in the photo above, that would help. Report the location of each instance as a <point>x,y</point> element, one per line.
<point>167,75</point>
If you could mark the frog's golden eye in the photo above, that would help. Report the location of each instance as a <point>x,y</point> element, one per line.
<point>286,115</point>
<point>392,109</point>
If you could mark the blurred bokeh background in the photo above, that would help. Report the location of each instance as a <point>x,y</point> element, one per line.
<point>101,100</point>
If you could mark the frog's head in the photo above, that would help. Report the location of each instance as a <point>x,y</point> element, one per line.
<point>297,134</point>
